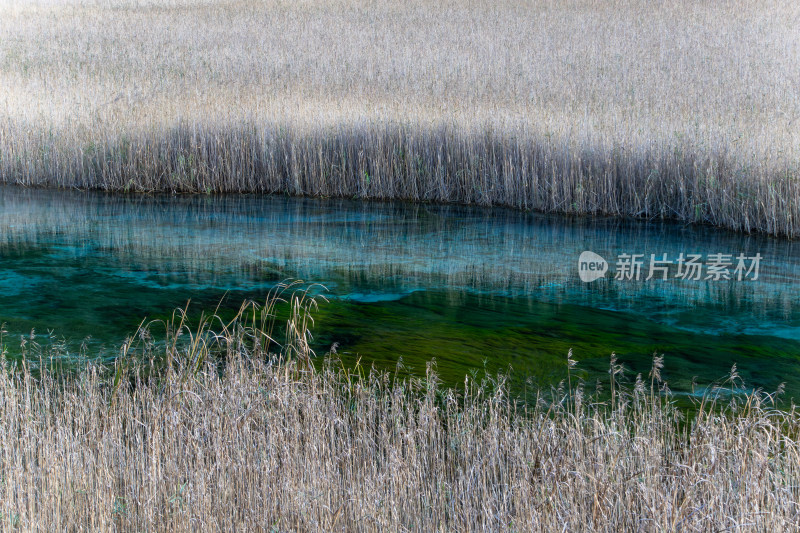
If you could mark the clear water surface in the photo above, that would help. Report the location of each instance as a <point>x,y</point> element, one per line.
<point>469,287</point>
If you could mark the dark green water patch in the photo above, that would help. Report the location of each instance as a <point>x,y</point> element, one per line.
<point>463,332</point>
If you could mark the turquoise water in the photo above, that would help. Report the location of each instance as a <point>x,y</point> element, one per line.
<point>472,288</point>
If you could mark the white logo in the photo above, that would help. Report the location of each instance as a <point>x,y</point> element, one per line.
<point>591,266</point>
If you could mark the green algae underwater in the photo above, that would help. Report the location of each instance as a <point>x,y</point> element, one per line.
<point>476,290</point>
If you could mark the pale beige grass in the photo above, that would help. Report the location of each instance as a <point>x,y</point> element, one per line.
<point>684,92</point>
<point>222,437</point>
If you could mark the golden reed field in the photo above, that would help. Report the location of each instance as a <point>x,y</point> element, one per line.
<point>679,109</point>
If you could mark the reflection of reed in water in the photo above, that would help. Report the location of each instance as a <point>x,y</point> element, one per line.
<point>385,247</point>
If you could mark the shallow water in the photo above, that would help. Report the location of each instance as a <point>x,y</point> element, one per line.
<point>473,288</point>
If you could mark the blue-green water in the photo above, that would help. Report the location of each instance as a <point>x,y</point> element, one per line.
<point>470,287</point>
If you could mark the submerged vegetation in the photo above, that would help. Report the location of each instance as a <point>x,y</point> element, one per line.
<point>684,110</point>
<point>220,427</point>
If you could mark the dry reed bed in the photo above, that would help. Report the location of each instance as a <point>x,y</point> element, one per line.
<point>222,438</point>
<point>685,110</point>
